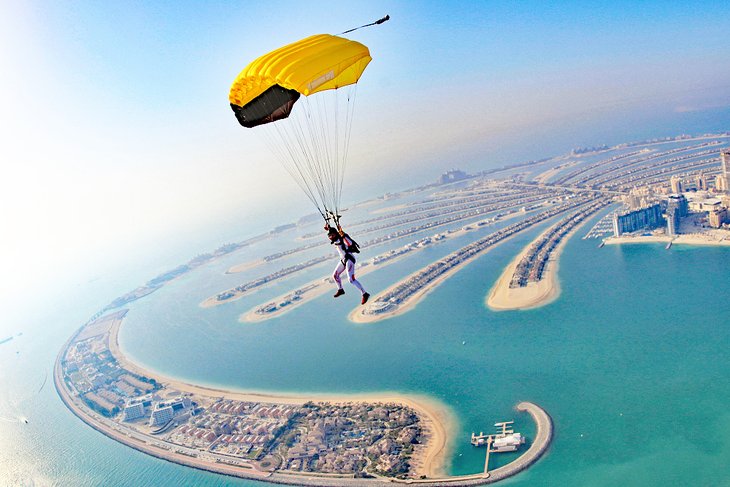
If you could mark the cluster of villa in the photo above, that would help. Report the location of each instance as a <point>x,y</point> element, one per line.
<point>531,266</point>
<point>636,172</point>
<point>92,372</point>
<point>635,164</point>
<point>302,248</point>
<point>622,172</point>
<point>234,428</point>
<point>289,299</point>
<point>529,198</point>
<point>400,251</point>
<point>345,438</point>
<point>570,177</point>
<point>350,439</point>
<point>242,289</point>
<point>396,296</point>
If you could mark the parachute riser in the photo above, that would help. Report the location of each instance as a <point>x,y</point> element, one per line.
<point>332,216</point>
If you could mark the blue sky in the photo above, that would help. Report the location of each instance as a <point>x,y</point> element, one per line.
<point>115,114</point>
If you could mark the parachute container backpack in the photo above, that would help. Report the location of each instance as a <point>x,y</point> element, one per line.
<point>311,140</point>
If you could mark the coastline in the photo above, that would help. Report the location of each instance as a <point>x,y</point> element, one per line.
<point>357,315</point>
<point>437,418</point>
<point>503,298</point>
<point>428,463</point>
<point>321,286</point>
<point>536,294</point>
<point>681,239</point>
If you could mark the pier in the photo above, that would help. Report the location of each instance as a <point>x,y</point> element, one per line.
<point>539,446</point>
<point>504,440</point>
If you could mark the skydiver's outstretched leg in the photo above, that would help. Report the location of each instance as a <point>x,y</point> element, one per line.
<point>336,276</point>
<point>355,282</point>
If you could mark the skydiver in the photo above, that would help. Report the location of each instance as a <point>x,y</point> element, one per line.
<point>345,247</point>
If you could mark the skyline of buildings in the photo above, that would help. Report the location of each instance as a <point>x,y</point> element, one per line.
<point>641,202</point>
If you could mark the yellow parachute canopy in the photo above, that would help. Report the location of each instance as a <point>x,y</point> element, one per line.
<point>312,144</point>
<point>267,88</point>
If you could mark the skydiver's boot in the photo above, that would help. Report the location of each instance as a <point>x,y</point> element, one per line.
<point>365,297</point>
<point>339,293</point>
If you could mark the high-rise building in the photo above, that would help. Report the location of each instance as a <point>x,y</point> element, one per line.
<point>677,208</point>
<point>672,221</point>
<point>678,202</point>
<point>722,181</point>
<point>701,182</point>
<point>642,219</point>
<point>136,408</point>
<point>717,217</point>
<point>452,175</point>
<point>167,410</point>
<point>677,185</point>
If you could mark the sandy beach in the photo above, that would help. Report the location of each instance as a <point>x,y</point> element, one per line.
<point>246,266</point>
<point>544,177</point>
<point>438,421</point>
<point>713,237</point>
<point>315,289</point>
<point>535,294</point>
<point>320,286</point>
<point>502,298</point>
<point>357,315</point>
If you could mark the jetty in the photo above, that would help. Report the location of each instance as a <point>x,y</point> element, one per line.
<point>504,440</point>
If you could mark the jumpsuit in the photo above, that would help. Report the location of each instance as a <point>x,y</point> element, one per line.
<point>347,261</point>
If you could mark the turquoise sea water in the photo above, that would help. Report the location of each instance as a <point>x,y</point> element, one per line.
<point>631,361</point>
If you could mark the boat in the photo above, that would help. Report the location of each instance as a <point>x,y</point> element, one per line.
<point>509,442</point>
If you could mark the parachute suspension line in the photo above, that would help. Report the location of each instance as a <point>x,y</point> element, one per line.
<point>377,22</point>
<point>313,143</point>
<point>331,127</point>
<point>306,155</point>
<point>288,154</point>
<point>317,152</point>
<point>324,137</point>
<point>292,159</point>
<point>305,148</point>
<point>317,111</point>
<point>349,115</point>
